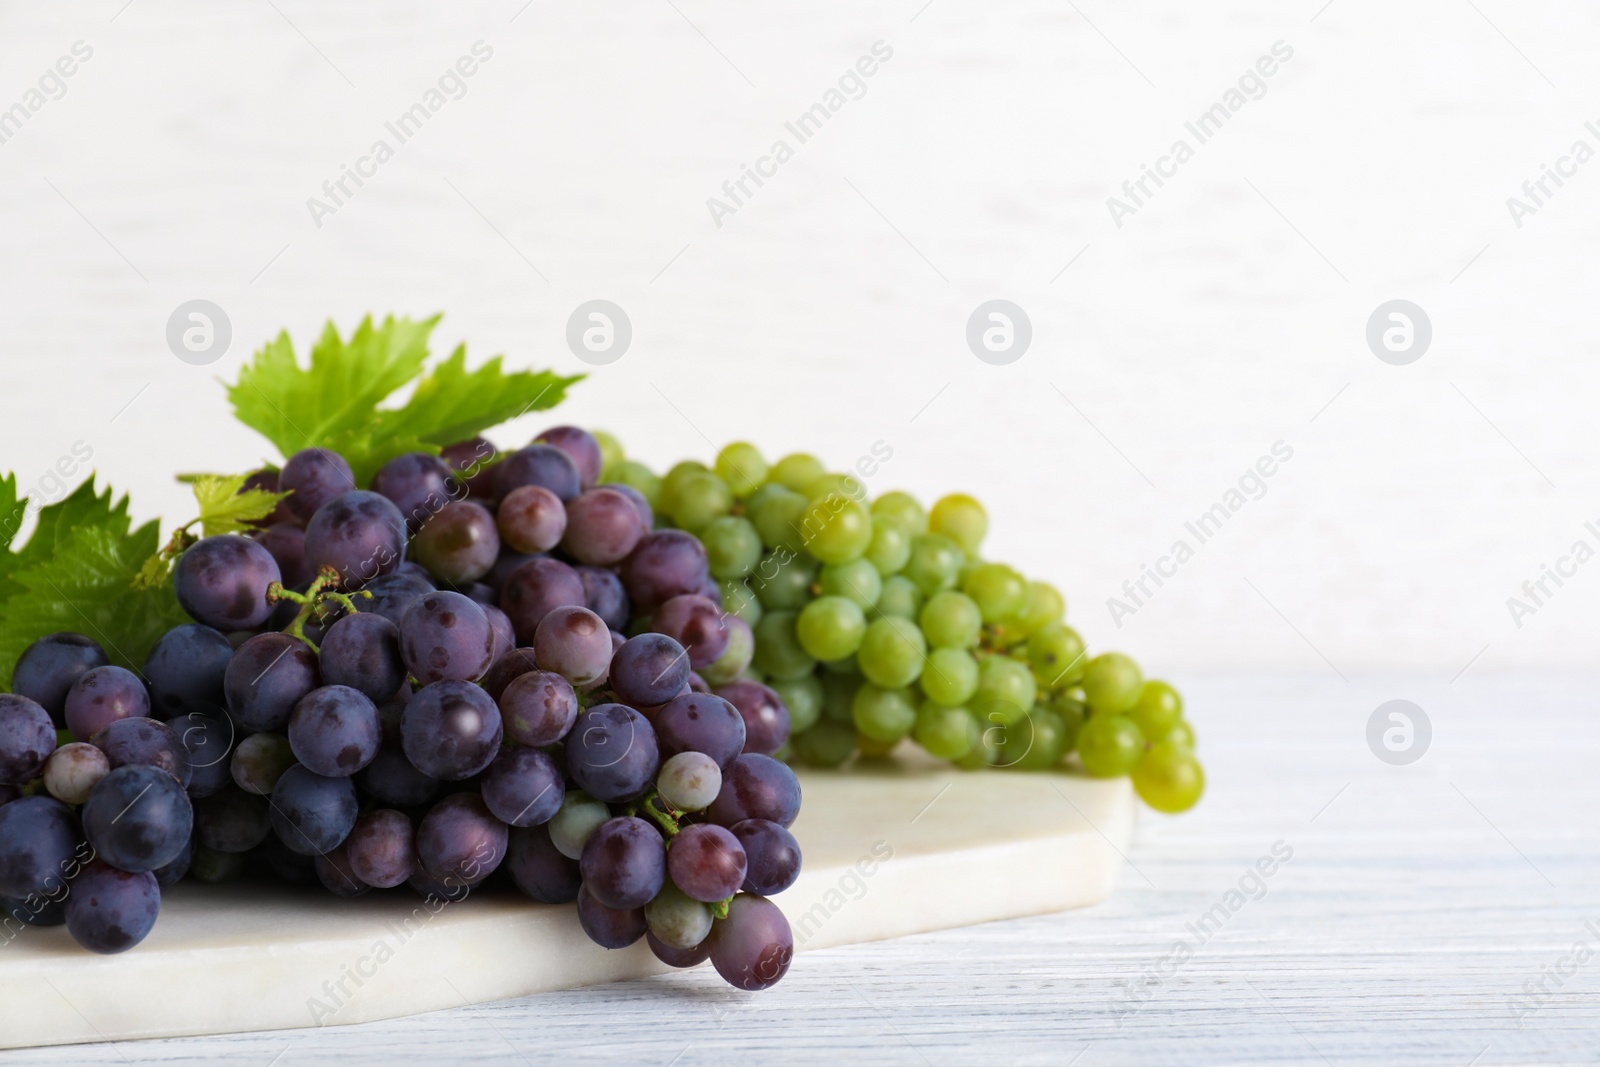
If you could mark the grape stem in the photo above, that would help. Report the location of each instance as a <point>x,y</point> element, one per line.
<point>667,820</point>
<point>314,601</point>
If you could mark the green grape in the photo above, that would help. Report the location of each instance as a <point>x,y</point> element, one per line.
<point>960,518</point>
<point>935,563</point>
<point>782,580</point>
<point>699,499</point>
<point>830,484</point>
<point>796,470</point>
<point>778,518</point>
<point>741,466</point>
<point>900,598</point>
<point>1169,778</point>
<point>1158,709</point>
<point>733,547</point>
<point>1005,688</point>
<point>610,452</point>
<point>802,696</point>
<point>889,548</point>
<point>762,495</point>
<point>827,744</point>
<point>778,650</point>
<point>1181,734</point>
<point>951,620</point>
<point>902,510</point>
<point>674,477</point>
<point>969,563</point>
<point>738,599</point>
<point>1000,592</point>
<point>831,627</point>
<point>836,529</point>
<point>842,666</point>
<point>857,581</point>
<point>988,744</point>
<point>735,659</point>
<point>1109,745</point>
<point>872,748</point>
<point>1056,654</point>
<point>1112,682</point>
<point>882,714</point>
<point>1045,606</point>
<point>1047,740</point>
<point>892,652</point>
<point>950,677</point>
<point>947,733</point>
<point>1072,716</point>
<point>838,695</point>
<point>637,476</point>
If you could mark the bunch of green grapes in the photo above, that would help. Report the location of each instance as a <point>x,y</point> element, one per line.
<point>878,620</point>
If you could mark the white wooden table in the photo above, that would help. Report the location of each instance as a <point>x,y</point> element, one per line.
<point>1417,903</point>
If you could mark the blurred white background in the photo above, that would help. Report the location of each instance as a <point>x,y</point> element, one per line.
<point>829,311</point>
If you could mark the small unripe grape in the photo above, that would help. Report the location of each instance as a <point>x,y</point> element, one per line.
<point>689,781</point>
<point>73,770</point>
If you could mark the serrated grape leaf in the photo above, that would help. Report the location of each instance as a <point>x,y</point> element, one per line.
<point>298,407</point>
<point>76,573</point>
<point>227,507</point>
<point>453,404</point>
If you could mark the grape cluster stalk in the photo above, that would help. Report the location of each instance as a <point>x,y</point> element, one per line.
<point>552,669</point>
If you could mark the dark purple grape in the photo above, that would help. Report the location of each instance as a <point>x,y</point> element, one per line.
<point>602,527</point>
<point>312,813</point>
<point>537,588</point>
<point>538,869</point>
<point>267,478</point>
<point>473,461</point>
<point>649,670</point>
<point>480,593</point>
<point>184,671</point>
<point>505,635</point>
<point>337,876</point>
<point>753,947</point>
<point>698,684</point>
<point>459,544</point>
<point>706,862</point>
<point>647,517</point>
<point>575,643</point>
<point>446,636</point>
<point>390,777</point>
<point>538,465</point>
<point>417,483</point>
<point>506,669</point>
<point>172,873</point>
<point>460,838</point>
<point>678,957</point>
<point>773,854</point>
<point>539,707</point>
<point>711,590</point>
<point>232,820</point>
<point>362,651</point>
<point>503,566</point>
<point>756,787</point>
<point>266,678</point>
<point>287,545</point>
<point>450,730</point>
<point>8,793</point>
<point>102,696</point>
<point>382,848</point>
<point>38,847</point>
<point>214,868</point>
<point>49,666</point>
<point>222,581</point>
<point>27,738</point>
<point>359,534</point>
<point>609,927</point>
<point>312,477</point>
<point>580,447</point>
<point>137,818</point>
<point>258,761</point>
<point>287,864</point>
<point>611,753</point>
<point>431,889</point>
<point>111,910</point>
<point>393,594</point>
<point>209,741</point>
<point>766,716</point>
<point>605,596</point>
<point>624,863</point>
<point>666,563</point>
<point>700,722</point>
<point>145,743</point>
<point>523,787</point>
<point>695,623</point>
<point>531,519</point>
<point>334,731</point>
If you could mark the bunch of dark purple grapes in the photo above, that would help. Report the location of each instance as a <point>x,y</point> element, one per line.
<point>420,684</point>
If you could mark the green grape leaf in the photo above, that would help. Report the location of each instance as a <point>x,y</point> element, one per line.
<point>227,507</point>
<point>76,572</point>
<point>453,404</point>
